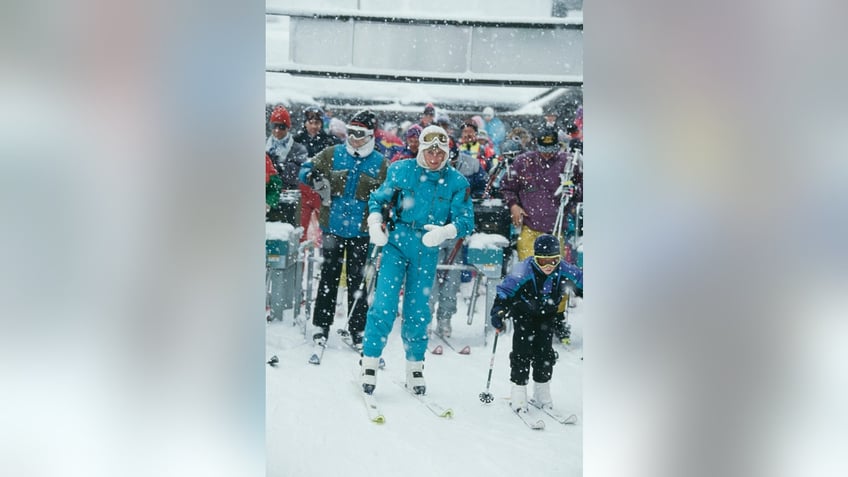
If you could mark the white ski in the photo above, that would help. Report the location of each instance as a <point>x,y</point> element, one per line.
<point>318,355</point>
<point>555,414</point>
<point>525,417</point>
<point>433,406</point>
<point>374,413</point>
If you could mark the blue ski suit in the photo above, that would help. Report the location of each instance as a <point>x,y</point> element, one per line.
<point>425,197</point>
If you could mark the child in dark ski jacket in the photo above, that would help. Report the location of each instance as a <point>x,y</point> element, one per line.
<point>531,295</point>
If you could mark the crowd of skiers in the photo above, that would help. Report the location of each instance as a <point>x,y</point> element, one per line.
<point>411,199</point>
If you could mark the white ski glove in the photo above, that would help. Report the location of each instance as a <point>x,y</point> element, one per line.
<point>322,187</point>
<point>375,229</point>
<point>437,234</point>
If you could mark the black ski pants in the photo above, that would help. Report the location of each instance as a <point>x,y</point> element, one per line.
<point>334,250</point>
<point>531,346</point>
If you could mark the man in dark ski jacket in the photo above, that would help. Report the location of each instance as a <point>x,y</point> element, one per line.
<point>345,176</point>
<point>531,295</point>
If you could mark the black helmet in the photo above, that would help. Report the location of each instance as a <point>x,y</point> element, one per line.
<point>310,112</point>
<point>546,245</point>
<point>364,119</point>
<point>548,140</point>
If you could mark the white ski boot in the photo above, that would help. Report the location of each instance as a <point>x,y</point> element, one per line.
<point>320,334</point>
<point>542,394</point>
<point>415,377</point>
<point>369,373</point>
<point>518,398</point>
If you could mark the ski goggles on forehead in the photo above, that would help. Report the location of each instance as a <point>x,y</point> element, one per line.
<point>433,137</point>
<point>547,261</point>
<point>358,133</point>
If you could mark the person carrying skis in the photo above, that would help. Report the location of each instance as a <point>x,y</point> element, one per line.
<point>432,204</point>
<point>531,295</point>
<point>344,176</point>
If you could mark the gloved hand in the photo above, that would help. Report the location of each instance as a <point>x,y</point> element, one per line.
<point>497,316</point>
<point>548,309</point>
<point>322,187</point>
<point>437,234</point>
<point>375,229</point>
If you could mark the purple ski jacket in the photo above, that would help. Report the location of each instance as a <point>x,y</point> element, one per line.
<point>531,184</point>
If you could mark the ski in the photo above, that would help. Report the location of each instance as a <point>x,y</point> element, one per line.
<point>525,417</point>
<point>346,339</point>
<point>555,414</point>
<point>433,406</point>
<point>438,349</point>
<point>371,407</point>
<point>317,356</point>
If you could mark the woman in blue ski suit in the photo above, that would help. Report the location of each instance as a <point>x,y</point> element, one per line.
<point>531,295</point>
<point>433,204</point>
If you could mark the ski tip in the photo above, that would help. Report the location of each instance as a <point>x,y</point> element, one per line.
<point>438,350</point>
<point>273,361</point>
<point>379,419</point>
<point>466,350</point>
<point>314,359</point>
<point>540,425</point>
<point>448,413</point>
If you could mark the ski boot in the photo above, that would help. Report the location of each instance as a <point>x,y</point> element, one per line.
<point>542,394</point>
<point>369,373</point>
<point>415,377</point>
<point>356,339</point>
<point>518,398</point>
<point>320,334</point>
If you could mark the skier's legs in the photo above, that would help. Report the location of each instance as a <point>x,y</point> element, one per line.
<point>416,312</point>
<point>522,350</point>
<point>381,315</point>
<point>524,245</point>
<point>544,357</point>
<point>328,286</point>
<point>357,253</point>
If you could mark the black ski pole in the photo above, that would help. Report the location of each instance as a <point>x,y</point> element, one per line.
<point>369,267</point>
<point>486,396</point>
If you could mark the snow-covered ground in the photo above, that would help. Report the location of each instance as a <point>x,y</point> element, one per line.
<point>316,423</point>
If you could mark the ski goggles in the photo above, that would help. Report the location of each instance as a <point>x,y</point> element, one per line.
<point>281,127</point>
<point>359,133</point>
<point>435,137</point>
<point>547,261</point>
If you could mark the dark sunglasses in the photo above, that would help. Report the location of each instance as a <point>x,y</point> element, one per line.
<point>279,126</point>
<point>552,260</point>
<point>358,133</point>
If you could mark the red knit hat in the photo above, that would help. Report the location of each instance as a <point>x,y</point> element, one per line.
<point>281,116</point>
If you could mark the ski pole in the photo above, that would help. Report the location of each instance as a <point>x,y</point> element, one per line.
<point>486,396</point>
<point>369,267</point>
